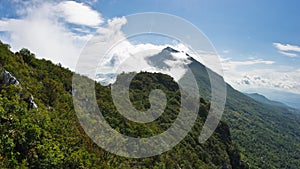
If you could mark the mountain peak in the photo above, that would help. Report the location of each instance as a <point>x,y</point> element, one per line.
<point>169,49</point>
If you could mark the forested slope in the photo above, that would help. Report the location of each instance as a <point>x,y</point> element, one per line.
<point>50,136</point>
<point>267,135</point>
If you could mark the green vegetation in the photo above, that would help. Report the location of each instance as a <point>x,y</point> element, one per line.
<point>262,135</point>
<point>268,136</point>
<point>51,136</point>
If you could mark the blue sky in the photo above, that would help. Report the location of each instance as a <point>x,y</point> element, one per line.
<point>258,41</point>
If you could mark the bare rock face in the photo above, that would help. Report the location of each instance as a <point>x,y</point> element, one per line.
<point>32,104</point>
<point>8,78</point>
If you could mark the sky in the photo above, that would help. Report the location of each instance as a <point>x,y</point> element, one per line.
<point>257,41</point>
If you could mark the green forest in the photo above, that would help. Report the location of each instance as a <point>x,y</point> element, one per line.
<point>50,136</point>
<point>268,136</point>
<point>39,127</point>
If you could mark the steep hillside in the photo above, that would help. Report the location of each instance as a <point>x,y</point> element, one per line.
<point>268,136</point>
<point>39,127</point>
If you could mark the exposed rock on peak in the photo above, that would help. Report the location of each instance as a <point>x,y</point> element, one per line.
<point>169,49</point>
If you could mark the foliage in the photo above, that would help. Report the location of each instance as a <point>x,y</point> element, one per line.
<point>268,136</point>
<point>51,136</point>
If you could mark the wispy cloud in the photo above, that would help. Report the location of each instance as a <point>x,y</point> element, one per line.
<point>287,49</point>
<point>235,64</point>
<point>288,54</point>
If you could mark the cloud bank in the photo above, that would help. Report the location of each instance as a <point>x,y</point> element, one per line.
<point>260,74</point>
<point>54,31</point>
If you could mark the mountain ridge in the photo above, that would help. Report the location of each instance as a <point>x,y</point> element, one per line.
<point>253,123</point>
<point>264,99</point>
<point>290,99</point>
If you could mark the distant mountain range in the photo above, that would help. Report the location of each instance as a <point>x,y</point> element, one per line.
<point>290,99</point>
<point>263,99</point>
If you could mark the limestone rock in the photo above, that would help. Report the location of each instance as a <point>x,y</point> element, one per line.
<point>32,104</point>
<point>8,78</point>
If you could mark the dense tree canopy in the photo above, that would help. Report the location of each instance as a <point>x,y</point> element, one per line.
<point>51,136</point>
<point>253,135</point>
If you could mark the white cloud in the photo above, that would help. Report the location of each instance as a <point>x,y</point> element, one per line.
<point>246,75</point>
<point>288,54</point>
<point>273,79</point>
<point>115,54</point>
<point>286,49</point>
<point>43,28</point>
<point>79,13</point>
<point>229,64</point>
<point>125,56</point>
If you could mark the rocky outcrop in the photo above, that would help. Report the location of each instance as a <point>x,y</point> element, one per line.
<point>31,103</point>
<point>8,78</point>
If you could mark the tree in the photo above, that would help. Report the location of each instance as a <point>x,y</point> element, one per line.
<point>27,55</point>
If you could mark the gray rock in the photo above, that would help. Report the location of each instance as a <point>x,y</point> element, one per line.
<point>8,78</point>
<point>32,104</point>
